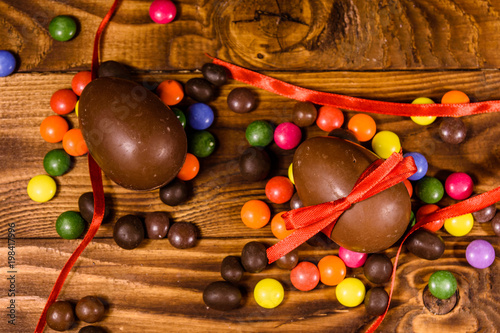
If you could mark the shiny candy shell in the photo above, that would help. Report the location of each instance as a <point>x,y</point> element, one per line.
<point>460,225</point>
<point>41,188</point>
<point>384,143</point>
<point>350,292</point>
<point>268,293</point>
<point>480,254</point>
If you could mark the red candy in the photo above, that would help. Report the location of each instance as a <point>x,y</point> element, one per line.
<point>190,168</point>
<point>459,185</point>
<point>305,276</point>
<point>80,80</point>
<point>287,135</point>
<point>170,92</point>
<point>63,101</point>
<point>329,118</point>
<point>162,11</point>
<point>426,210</point>
<point>279,189</point>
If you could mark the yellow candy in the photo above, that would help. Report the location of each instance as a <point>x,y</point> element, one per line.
<point>41,188</point>
<point>268,293</point>
<point>423,120</point>
<point>290,173</point>
<point>350,292</point>
<point>385,143</point>
<point>76,107</point>
<point>460,225</point>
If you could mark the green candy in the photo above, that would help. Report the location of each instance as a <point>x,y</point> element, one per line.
<point>201,143</point>
<point>70,225</point>
<point>56,162</point>
<point>430,190</point>
<point>62,28</point>
<point>442,284</point>
<point>181,116</point>
<point>259,133</point>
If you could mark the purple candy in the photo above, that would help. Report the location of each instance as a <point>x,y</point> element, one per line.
<point>352,259</point>
<point>287,135</point>
<point>480,254</point>
<point>420,163</point>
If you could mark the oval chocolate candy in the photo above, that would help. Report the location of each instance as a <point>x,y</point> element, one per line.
<point>425,244</point>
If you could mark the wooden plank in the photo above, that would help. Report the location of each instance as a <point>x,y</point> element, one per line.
<point>262,34</point>
<point>158,284</point>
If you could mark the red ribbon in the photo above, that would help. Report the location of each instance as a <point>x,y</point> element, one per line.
<point>97,188</point>
<point>353,103</point>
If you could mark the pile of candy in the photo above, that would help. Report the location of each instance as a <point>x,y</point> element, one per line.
<point>61,315</point>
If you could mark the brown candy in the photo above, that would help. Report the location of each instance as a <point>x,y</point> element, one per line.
<point>326,169</point>
<point>485,214</point>
<point>376,300</point>
<point>295,201</point>
<point>495,224</point>
<point>231,269</point>
<point>90,309</point>
<point>254,257</point>
<point>128,232</point>
<point>86,206</point>
<point>60,316</point>
<point>200,90</point>
<point>92,329</point>
<point>254,164</point>
<point>113,69</point>
<point>452,130</point>
<point>322,241</point>
<point>215,74</point>
<point>425,244</point>
<point>182,235</point>
<point>241,100</point>
<point>222,296</point>
<point>304,114</point>
<point>344,134</point>
<point>157,224</point>
<point>289,260</point>
<point>133,136</point>
<point>175,192</point>
<point>378,268</point>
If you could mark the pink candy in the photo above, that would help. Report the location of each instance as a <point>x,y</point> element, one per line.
<point>352,259</point>
<point>459,186</point>
<point>162,11</point>
<point>287,135</point>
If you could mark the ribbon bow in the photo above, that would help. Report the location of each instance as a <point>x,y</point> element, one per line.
<point>307,221</point>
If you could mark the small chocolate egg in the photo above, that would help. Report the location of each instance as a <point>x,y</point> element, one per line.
<point>215,74</point>
<point>425,244</point>
<point>304,114</point>
<point>378,268</point>
<point>89,309</point>
<point>86,206</point>
<point>183,235</point>
<point>255,164</point>
<point>175,192</point>
<point>60,316</point>
<point>133,136</point>
<point>231,269</point>
<point>222,296</point>
<point>254,257</point>
<point>241,100</point>
<point>128,232</point>
<point>326,169</point>
<point>200,90</point>
<point>376,300</point>
<point>157,224</point>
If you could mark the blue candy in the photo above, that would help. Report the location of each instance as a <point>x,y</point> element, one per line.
<point>200,116</point>
<point>7,63</point>
<point>421,163</point>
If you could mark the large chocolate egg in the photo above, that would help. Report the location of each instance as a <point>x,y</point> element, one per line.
<point>133,136</point>
<point>326,169</point>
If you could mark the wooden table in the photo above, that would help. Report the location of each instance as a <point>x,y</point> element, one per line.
<point>392,51</point>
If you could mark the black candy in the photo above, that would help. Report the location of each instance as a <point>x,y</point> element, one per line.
<point>254,164</point>
<point>157,224</point>
<point>376,300</point>
<point>241,100</point>
<point>128,232</point>
<point>174,193</point>
<point>60,316</point>
<point>86,206</point>
<point>200,90</point>
<point>222,296</point>
<point>231,269</point>
<point>425,244</point>
<point>378,268</point>
<point>215,74</point>
<point>182,235</point>
<point>254,257</point>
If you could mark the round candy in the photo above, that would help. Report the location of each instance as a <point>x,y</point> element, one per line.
<point>183,235</point>
<point>62,28</point>
<point>385,143</point>
<point>200,90</point>
<point>350,292</point>
<point>480,254</point>
<point>305,276</point>
<point>170,92</point>
<point>376,301</point>
<point>190,168</point>
<point>162,11</point>
<point>254,164</point>
<point>222,296</point>
<point>452,130</point>
<point>460,225</point>
<point>363,126</point>
<point>174,193</point>
<point>329,118</point>
<point>128,232</point>
<point>426,210</point>
<point>53,128</point>
<point>63,101</point>
<point>60,316</point>
<point>86,206</point>
<point>255,214</point>
<point>7,63</point>
<point>157,224</point>
<point>278,227</point>
<point>90,309</point>
<point>289,260</point>
<point>201,143</point>
<point>290,173</point>
<point>459,185</point>
<point>332,270</point>
<point>455,97</point>
<point>254,257</point>
<point>73,142</point>
<point>259,133</point>
<point>70,225</point>
<point>430,190</point>
<point>295,202</point>
<point>41,188</point>
<point>287,135</point>
<point>304,114</point>
<point>442,284</point>
<point>231,269</point>
<point>241,100</point>
<point>420,163</point>
<point>215,74</point>
<point>495,224</point>
<point>200,116</point>
<point>56,162</point>
<point>112,68</point>
<point>423,120</point>
<point>181,116</point>
<point>268,293</point>
<point>352,259</point>
<point>80,81</point>
<point>486,214</point>
<point>279,189</point>
<point>378,268</point>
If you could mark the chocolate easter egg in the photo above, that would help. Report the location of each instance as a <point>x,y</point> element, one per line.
<point>326,169</point>
<point>136,139</point>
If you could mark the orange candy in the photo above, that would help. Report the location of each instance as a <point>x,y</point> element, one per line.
<point>409,187</point>
<point>363,126</point>
<point>332,270</point>
<point>73,143</point>
<point>455,97</point>
<point>278,227</point>
<point>53,128</point>
<point>255,214</point>
<point>170,92</point>
<point>190,168</point>
<point>425,210</point>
